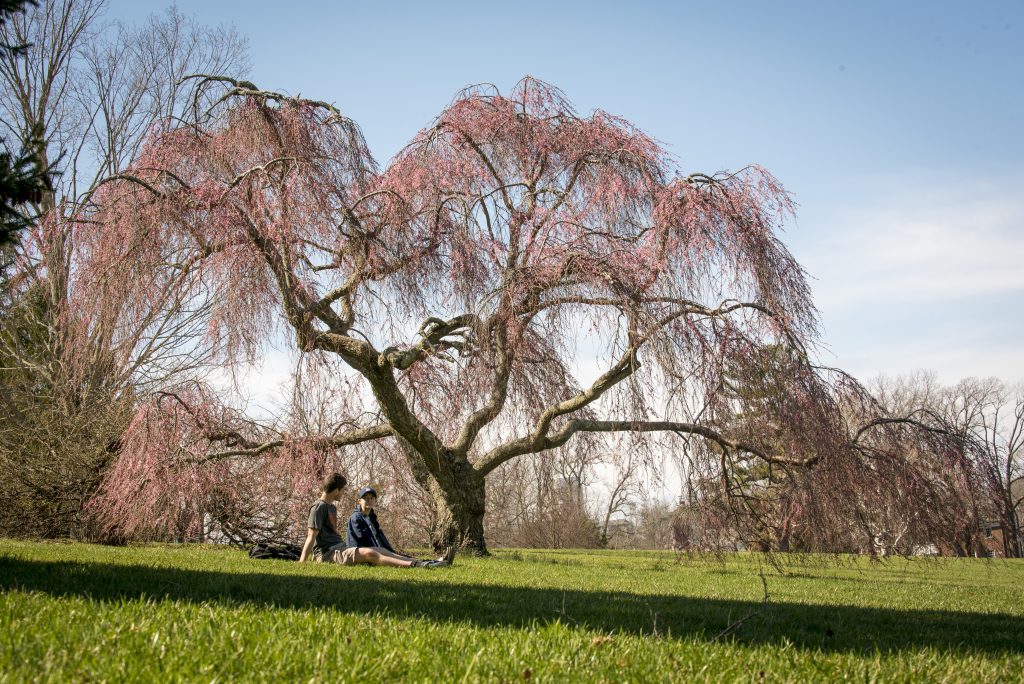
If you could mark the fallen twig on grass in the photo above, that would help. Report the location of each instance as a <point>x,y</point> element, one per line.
<point>732,627</point>
<point>563,614</point>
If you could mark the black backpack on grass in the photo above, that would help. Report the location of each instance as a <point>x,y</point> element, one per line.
<point>275,552</point>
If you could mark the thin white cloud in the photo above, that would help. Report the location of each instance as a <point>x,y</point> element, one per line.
<point>921,275</point>
<point>951,360</point>
<point>921,244</point>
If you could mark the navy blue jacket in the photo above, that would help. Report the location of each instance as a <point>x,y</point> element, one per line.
<point>364,531</point>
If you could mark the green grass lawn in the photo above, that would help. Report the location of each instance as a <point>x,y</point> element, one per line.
<point>74,612</point>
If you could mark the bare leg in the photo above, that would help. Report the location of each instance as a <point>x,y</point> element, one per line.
<point>367,556</point>
<point>392,554</point>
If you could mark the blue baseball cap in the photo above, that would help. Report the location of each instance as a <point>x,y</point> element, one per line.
<point>367,490</point>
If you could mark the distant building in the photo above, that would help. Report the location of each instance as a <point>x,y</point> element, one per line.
<point>993,534</point>
<point>620,527</point>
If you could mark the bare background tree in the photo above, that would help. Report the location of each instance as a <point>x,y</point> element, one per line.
<point>83,96</point>
<point>624,487</point>
<point>943,477</point>
<point>993,415</point>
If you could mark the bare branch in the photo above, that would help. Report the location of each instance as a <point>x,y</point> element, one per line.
<point>249,448</point>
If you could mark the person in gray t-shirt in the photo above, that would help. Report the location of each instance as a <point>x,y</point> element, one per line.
<point>325,544</point>
<point>323,517</point>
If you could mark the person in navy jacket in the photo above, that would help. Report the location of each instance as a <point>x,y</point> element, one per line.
<point>364,531</point>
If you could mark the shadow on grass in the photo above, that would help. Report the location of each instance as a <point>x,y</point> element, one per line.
<point>829,628</point>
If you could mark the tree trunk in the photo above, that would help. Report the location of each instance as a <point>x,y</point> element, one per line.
<point>1011,531</point>
<point>458,491</point>
<point>460,517</point>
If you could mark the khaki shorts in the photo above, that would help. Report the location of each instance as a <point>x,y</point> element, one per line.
<point>339,553</point>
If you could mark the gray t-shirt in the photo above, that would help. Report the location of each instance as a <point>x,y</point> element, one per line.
<point>323,517</point>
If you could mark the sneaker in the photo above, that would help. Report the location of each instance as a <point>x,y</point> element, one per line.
<point>439,563</point>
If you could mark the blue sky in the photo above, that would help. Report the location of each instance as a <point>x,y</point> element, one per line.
<point>899,128</point>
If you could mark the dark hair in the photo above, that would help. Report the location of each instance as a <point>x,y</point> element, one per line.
<point>334,481</point>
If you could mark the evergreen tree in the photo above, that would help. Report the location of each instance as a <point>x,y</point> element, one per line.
<point>23,177</point>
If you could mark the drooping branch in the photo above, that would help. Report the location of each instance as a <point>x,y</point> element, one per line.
<point>688,307</point>
<point>224,432</point>
<point>243,447</point>
<point>249,89</point>
<point>937,425</point>
<point>526,445</point>
<point>626,365</point>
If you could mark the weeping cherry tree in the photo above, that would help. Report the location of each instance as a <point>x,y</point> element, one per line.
<point>454,297</point>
